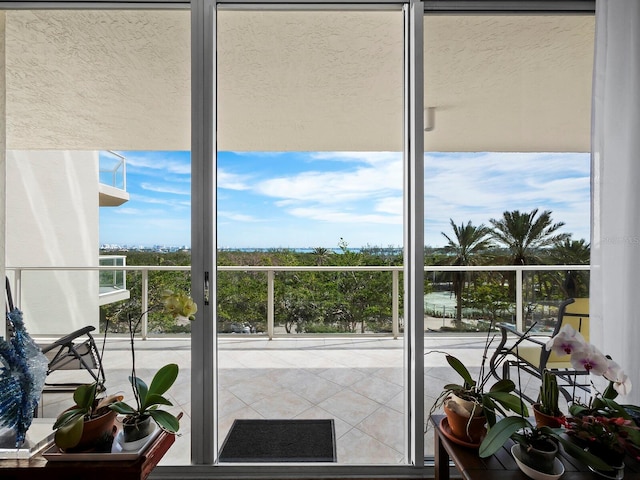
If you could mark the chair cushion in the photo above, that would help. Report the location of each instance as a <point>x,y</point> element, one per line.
<point>530,353</point>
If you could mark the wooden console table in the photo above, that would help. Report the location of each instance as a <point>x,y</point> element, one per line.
<point>38,468</point>
<point>501,465</point>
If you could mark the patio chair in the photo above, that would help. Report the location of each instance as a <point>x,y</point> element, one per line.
<point>528,353</point>
<point>75,351</point>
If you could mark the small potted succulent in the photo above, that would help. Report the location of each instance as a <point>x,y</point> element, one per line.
<point>546,411</point>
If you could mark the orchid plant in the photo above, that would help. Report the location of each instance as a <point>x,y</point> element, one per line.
<point>150,397</point>
<point>585,356</point>
<point>602,423</point>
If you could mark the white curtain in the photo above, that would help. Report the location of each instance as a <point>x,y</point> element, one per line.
<point>615,242</point>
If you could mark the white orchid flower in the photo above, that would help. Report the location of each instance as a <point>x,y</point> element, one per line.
<point>621,381</point>
<point>590,359</point>
<point>567,341</point>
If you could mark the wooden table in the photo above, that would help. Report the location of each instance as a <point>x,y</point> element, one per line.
<point>38,468</point>
<point>502,465</point>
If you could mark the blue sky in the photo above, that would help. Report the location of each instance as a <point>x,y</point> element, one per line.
<point>303,199</point>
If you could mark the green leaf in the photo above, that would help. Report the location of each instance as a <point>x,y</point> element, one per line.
<point>68,416</point>
<point>69,436</point>
<point>84,395</point>
<point>489,410</point>
<point>142,388</point>
<point>500,433</point>
<point>123,408</point>
<point>453,387</point>
<point>504,385</point>
<point>459,367</point>
<point>163,379</point>
<point>155,399</point>
<point>510,402</point>
<point>581,455</point>
<point>577,410</point>
<point>166,420</point>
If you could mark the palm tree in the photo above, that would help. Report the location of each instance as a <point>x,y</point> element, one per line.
<point>465,246</point>
<point>572,252</point>
<point>525,235</point>
<point>321,254</point>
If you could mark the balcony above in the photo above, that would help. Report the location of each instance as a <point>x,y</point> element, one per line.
<point>112,196</point>
<point>112,184</point>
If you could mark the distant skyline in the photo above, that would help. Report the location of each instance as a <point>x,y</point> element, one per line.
<point>306,199</point>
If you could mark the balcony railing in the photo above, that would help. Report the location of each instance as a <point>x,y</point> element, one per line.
<point>111,280</point>
<point>113,169</point>
<point>271,280</point>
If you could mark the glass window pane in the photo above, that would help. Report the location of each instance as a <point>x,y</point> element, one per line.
<point>507,114</point>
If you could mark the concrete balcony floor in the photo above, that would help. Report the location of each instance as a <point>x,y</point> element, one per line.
<point>357,381</point>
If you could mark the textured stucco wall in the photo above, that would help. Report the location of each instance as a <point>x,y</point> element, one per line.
<point>52,221</point>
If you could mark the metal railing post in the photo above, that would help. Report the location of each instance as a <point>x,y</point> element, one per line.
<point>270,303</point>
<point>17,286</point>
<point>395,304</point>
<point>519,303</point>
<point>144,328</point>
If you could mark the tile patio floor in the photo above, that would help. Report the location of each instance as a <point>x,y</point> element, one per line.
<point>357,381</point>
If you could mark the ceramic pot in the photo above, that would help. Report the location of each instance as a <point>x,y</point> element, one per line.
<point>544,420</point>
<point>470,406</point>
<point>540,456</point>
<point>97,432</point>
<point>468,429</point>
<point>134,429</point>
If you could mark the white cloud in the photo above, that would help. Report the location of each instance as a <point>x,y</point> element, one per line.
<point>231,181</point>
<point>333,216</point>
<point>238,217</point>
<point>164,189</point>
<point>337,186</point>
<point>157,161</point>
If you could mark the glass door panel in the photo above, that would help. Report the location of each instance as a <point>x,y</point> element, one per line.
<point>310,223</point>
<point>507,120</point>
<point>98,188</point>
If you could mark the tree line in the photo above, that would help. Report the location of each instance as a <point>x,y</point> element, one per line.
<point>360,302</point>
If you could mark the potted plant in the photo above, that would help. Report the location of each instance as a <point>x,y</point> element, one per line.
<point>469,406</point>
<point>537,445</point>
<point>139,421</point>
<point>546,411</point>
<point>89,423</point>
<point>604,427</point>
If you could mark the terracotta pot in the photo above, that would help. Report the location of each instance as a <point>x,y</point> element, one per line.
<point>96,432</point>
<point>468,429</point>
<point>470,406</point>
<point>544,420</point>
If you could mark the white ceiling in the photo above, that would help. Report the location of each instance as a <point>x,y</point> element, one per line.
<point>309,81</point>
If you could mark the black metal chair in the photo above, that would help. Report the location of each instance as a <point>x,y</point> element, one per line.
<point>527,352</point>
<point>75,351</point>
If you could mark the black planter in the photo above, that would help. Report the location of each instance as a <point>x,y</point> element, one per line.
<point>540,456</point>
<point>134,429</point>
